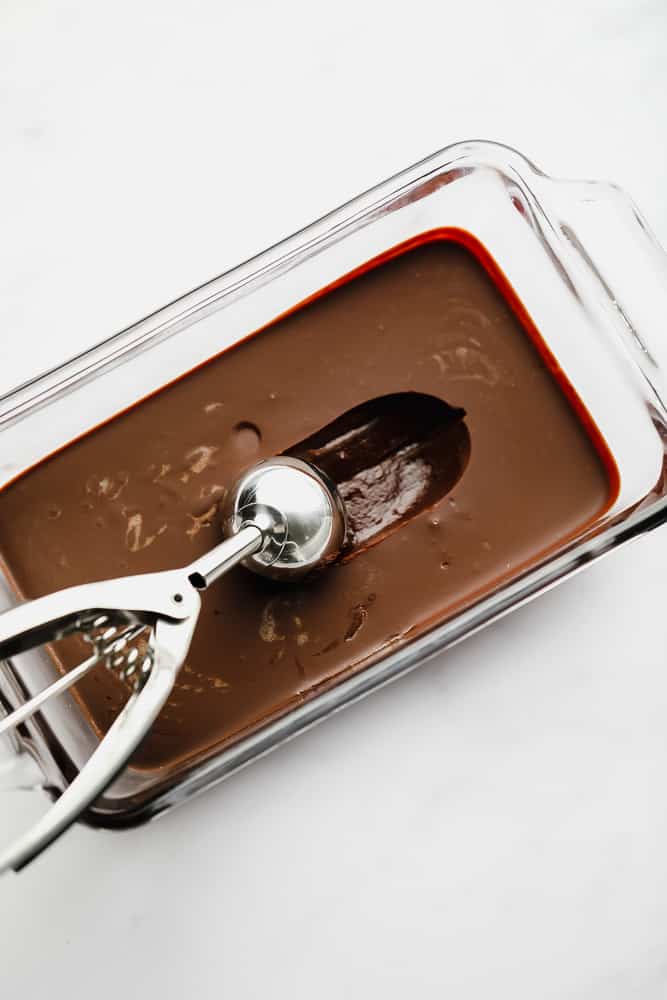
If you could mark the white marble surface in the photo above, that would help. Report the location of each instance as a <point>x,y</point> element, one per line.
<point>496,824</point>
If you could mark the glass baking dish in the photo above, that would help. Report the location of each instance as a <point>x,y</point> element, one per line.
<point>580,263</point>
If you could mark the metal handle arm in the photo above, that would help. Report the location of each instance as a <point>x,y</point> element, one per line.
<point>169,602</point>
<point>110,757</point>
<point>45,619</point>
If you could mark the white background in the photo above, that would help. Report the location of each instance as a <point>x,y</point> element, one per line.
<point>496,824</point>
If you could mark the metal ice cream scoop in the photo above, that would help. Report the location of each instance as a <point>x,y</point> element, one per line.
<point>283,518</point>
<point>299,512</point>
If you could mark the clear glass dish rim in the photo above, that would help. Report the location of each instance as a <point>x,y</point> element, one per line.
<point>168,320</point>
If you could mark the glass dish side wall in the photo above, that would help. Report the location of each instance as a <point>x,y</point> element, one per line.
<point>531,226</point>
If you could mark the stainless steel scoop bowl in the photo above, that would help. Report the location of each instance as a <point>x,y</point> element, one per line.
<point>299,512</point>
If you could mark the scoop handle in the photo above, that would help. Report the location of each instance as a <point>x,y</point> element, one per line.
<point>172,640</point>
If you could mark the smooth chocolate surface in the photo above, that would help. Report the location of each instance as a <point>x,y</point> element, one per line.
<point>507,481</point>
